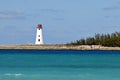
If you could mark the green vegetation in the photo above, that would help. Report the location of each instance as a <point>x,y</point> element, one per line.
<point>110,40</point>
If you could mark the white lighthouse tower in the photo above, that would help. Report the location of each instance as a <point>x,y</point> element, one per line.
<point>39,36</point>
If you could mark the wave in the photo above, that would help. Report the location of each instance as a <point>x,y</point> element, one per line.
<point>11,74</point>
<point>61,66</point>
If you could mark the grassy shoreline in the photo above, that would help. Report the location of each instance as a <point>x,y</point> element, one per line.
<point>57,47</point>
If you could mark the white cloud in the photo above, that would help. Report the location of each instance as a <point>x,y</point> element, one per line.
<point>51,10</point>
<point>16,14</point>
<point>111,8</point>
<point>5,16</point>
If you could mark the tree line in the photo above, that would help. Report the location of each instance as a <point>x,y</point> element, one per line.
<point>110,40</point>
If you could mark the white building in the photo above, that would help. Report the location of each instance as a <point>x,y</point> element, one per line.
<point>39,36</point>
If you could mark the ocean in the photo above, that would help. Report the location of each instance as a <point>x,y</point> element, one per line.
<point>59,65</point>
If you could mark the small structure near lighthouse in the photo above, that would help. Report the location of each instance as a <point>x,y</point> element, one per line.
<point>39,36</point>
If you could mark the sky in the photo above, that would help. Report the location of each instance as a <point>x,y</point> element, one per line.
<point>63,20</point>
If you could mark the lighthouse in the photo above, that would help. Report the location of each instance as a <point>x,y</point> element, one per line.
<point>39,36</point>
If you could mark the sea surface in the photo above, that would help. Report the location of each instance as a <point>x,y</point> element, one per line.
<point>59,65</point>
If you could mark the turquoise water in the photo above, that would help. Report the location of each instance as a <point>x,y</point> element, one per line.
<point>59,65</point>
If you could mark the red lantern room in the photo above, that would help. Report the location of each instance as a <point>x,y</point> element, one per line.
<point>39,26</point>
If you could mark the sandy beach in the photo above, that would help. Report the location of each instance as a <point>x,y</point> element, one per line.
<point>57,47</point>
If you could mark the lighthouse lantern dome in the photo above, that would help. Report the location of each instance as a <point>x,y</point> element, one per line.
<point>39,26</point>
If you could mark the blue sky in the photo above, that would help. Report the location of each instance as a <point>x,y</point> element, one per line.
<point>63,20</point>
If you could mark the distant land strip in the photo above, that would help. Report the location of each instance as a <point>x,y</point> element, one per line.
<point>57,47</point>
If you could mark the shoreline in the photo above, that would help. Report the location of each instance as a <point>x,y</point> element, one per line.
<point>56,47</point>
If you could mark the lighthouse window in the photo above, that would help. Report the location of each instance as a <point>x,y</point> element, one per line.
<point>38,35</point>
<point>39,40</point>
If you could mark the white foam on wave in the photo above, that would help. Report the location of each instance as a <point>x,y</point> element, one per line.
<point>15,74</point>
